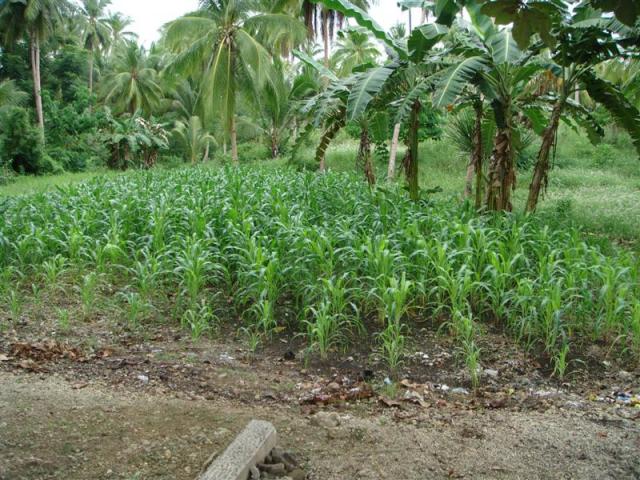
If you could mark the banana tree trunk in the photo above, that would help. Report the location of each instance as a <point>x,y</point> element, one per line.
<point>205,158</point>
<point>275,150</point>
<point>474,169</point>
<point>502,172</point>
<point>364,156</point>
<point>234,141</point>
<point>541,172</point>
<point>411,158</point>
<point>37,84</point>
<point>391,170</point>
<point>328,135</point>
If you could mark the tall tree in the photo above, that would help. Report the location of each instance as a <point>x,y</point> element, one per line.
<point>133,84</point>
<point>219,45</point>
<point>354,47</point>
<point>37,20</point>
<point>322,21</point>
<point>119,33</point>
<point>96,31</point>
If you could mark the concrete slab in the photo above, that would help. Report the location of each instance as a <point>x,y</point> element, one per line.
<point>248,449</point>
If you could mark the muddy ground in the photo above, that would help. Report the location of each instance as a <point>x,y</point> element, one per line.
<point>103,402</point>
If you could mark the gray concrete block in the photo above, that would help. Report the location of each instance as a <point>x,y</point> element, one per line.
<point>248,449</point>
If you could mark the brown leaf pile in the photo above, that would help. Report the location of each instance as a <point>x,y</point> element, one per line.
<point>44,351</point>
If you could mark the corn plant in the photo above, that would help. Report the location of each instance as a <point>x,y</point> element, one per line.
<point>88,292</point>
<point>64,320</point>
<point>323,255</point>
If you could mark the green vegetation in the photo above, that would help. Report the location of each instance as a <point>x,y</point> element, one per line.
<point>323,255</point>
<point>264,188</point>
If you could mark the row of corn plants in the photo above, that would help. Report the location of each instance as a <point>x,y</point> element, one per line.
<point>323,255</point>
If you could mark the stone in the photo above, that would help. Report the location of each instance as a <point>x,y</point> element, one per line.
<point>248,449</point>
<point>491,373</point>
<point>275,469</point>
<point>326,419</point>
<point>298,474</point>
<point>255,473</point>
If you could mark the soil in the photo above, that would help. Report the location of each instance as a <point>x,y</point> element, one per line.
<point>105,402</point>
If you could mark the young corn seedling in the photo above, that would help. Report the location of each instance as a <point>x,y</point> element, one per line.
<point>396,304</point>
<point>193,268</point>
<point>323,330</point>
<point>88,290</point>
<point>137,308</point>
<point>53,269</point>
<point>199,320</point>
<point>64,320</point>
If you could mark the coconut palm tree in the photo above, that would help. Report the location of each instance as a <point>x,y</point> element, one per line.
<point>219,46</point>
<point>119,33</point>
<point>193,139</point>
<point>37,20</point>
<point>133,84</point>
<point>96,30</point>
<point>322,21</point>
<point>354,47</point>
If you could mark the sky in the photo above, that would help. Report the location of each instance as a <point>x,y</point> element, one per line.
<point>150,15</point>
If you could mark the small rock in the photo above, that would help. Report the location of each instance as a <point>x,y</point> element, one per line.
<point>460,391</point>
<point>298,474</point>
<point>255,473</point>
<point>167,454</point>
<point>333,386</point>
<point>326,419</point>
<point>277,469</point>
<point>143,378</point>
<point>337,433</point>
<point>624,375</point>
<point>366,474</point>
<point>491,373</point>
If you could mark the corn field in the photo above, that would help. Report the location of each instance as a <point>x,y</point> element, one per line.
<point>322,255</point>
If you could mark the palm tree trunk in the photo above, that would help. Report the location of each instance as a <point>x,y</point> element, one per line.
<point>234,141</point>
<point>37,85</point>
<point>502,173</point>
<point>91,72</point>
<point>541,171</point>
<point>411,158</point>
<point>391,170</point>
<point>325,37</point>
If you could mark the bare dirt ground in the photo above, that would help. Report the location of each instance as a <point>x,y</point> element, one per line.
<point>154,405</point>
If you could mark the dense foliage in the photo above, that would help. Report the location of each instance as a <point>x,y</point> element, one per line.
<point>326,256</point>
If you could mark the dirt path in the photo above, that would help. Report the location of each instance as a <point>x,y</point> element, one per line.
<point>53,428</point>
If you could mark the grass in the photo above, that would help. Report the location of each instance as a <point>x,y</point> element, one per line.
<point>271,248</point>
<point>593,188</point>
<point>28,184</point>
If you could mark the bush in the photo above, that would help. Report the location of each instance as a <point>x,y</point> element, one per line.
<point>252,151</point>
<point>21,147</point>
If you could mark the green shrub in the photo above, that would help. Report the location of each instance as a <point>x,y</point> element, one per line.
<point>21,147</point>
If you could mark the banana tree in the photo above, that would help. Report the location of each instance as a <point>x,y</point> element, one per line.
<point>489,64</point>
<point>585,42</point>
<point>402,83</point>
